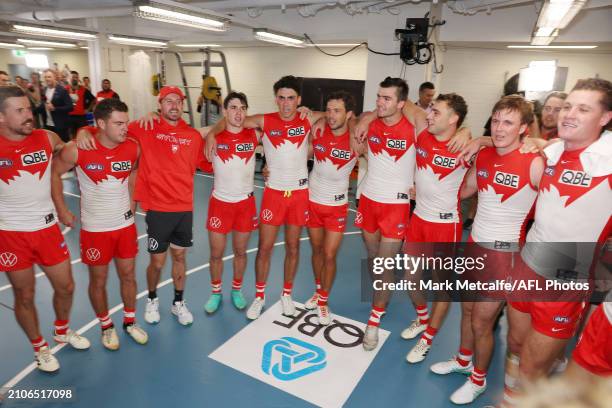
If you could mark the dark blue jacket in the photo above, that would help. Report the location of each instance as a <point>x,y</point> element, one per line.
<point>63,105</point>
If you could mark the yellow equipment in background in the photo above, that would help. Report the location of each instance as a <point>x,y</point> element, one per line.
<point>210,89</point>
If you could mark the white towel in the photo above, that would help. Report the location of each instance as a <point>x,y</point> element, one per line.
<point>595,159</point>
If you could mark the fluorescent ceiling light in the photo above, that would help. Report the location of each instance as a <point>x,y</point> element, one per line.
<point>545,32</point>
<point>198,45</point>
<point>551,47</point>
<point>40,48</point>
<point>46,43</point>
<point>53,32</point>
<point>84,48</point>
<point>120,39</point>
<point>542,40</point>
<point>333,45</point>
<point>179,14</point>
<point>558,13</point>
<point>10,45</point>
<point>263,34</point>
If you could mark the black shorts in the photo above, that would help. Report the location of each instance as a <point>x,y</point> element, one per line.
<point>165,228</point>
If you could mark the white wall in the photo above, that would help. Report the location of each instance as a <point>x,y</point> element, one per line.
<point>479,75</point>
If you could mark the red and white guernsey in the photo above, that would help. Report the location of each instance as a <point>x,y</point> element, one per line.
<point>438,178</point>
<point>25,183</point>
<point>103,180</point>
<point>391,162</point>
<point>505,195</point>
<point>286,148</point>
<point>573,204</point>
<point>334,161</point>
<point>234,165</point>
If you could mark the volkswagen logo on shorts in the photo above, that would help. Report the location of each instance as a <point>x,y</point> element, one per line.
<point>215,222</point>
<point>93,254</point>
<point>8,259</point>
<point>266,215</point>
<point>358,218</point>
<point>153,244</point>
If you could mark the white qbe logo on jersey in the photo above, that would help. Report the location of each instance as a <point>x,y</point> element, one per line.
<point>215,222</point>
<point>93,254</point>
<point>358,218</point>
<point>8,259</point>
<point>153,244</point>
<point>266,215</point>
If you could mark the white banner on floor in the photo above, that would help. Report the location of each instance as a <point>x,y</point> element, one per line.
<point>319,364</point>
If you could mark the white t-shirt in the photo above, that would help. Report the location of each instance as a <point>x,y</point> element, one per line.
<point>49,95</point>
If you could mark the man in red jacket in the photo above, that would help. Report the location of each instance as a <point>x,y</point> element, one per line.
<point>169,154</point>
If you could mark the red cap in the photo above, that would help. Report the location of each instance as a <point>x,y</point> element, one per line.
<point>167,90</point>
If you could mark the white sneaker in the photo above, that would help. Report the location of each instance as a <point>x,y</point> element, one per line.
<point>413,330</point>
<point>311,303</point>
<point>137,333</point>
<point>468,392</point>
<point>45,361</point>
<point>255,309</point>
<point>110,340</point>
<point>75,340</point>
<point>151,314</point>
<point>324,315</point>
<point>180,310</point>
<point>418,352</point>
<point>370,338</point>
<point>288,306</point>
<point>451,366</point>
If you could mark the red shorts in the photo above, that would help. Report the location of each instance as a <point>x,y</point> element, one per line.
<point>99,248</point>
<point>224,217</point>
<point>284,207</point>
<point>330,217</point>
<point>594,349</point>
<point>20,250</point>
<point>391,219</point>
<point>422,233</point>
<point>553,319</point>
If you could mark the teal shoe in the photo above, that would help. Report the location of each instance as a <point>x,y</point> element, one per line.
<point>213,303</point>
<point>238,299</point>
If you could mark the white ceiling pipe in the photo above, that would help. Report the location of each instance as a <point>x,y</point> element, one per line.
<point>239,4</point>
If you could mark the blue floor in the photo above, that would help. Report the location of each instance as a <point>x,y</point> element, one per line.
<point>174,368</point>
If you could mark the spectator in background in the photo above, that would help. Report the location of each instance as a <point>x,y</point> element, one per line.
<point>56,107</point>
<point>4,79</point>
<point>87,83</point>
<point>427,91</point>
<point>106,91</point>
<point>35,92</point>
<point>82,99</point>
<point>550,114</point>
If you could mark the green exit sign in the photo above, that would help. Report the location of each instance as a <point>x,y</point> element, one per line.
<point>19,53</point>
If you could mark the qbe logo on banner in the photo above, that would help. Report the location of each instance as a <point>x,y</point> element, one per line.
<point>300,357</point>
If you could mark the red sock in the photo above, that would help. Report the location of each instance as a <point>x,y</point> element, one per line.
<point>318,284</point>
<point>423,314</point>
<point>322,301</point>
<point>429,334</point>
<point>38,343</point>
<point>375,316</point>
<point>478,377</point>
<point>105,320</point>
<point>216,286</point>
<point>287,288</point>
<point>464,357</point>
<point>61,327</point>
<point>260,290</point>
<point>237,284</point>
<point>129,316</point>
